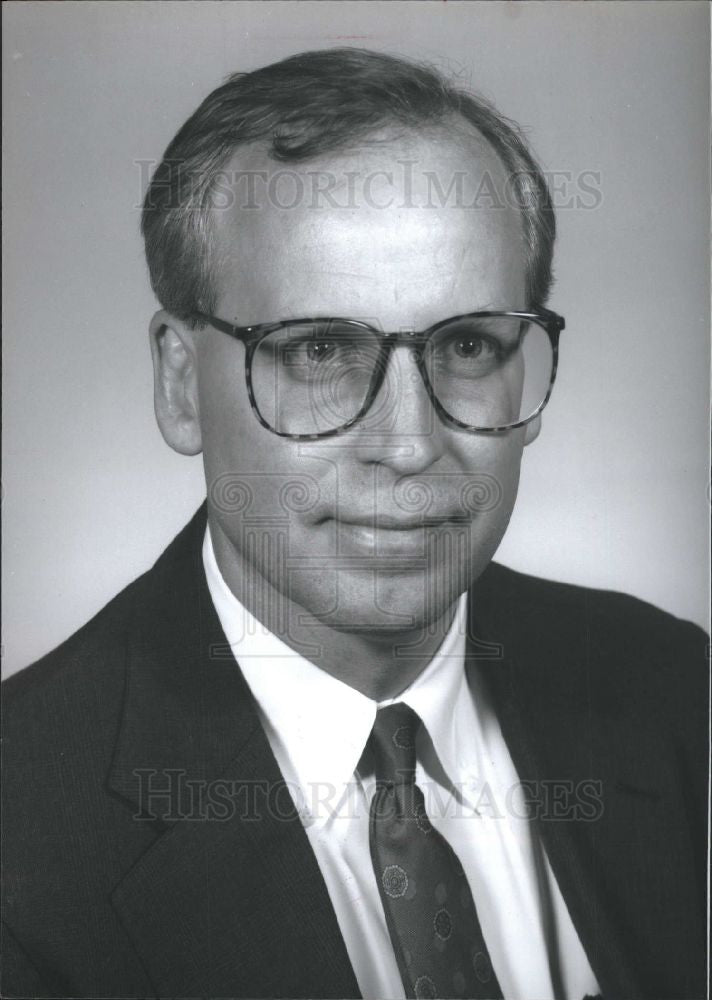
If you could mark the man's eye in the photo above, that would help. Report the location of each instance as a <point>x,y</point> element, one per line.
<point>318,350</point>
<point>472,347</point>
<point>301,352</point>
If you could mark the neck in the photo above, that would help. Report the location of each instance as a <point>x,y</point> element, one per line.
<point>378,663</point>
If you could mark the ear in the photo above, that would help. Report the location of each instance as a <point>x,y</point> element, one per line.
<point>531,431</point>
<point>175,383</point>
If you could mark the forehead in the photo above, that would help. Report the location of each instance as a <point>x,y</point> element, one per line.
<point>403,226</point>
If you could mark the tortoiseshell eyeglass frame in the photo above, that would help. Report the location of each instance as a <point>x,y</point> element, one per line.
<point>251,336</point>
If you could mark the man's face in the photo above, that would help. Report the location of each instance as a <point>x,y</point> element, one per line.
<point>336,525</point>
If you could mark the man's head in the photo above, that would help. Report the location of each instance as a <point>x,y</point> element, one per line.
<point>343,184</point>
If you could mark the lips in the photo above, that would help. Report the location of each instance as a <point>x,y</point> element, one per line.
<point>389,522</point>
<point>388,536</point>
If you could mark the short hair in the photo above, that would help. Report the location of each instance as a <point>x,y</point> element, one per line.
<point>301,107</point>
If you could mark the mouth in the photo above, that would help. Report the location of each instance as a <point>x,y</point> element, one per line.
<point>391,536</point>
<point>385,522</point>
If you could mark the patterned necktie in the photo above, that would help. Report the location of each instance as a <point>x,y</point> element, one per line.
<point>429,908</point>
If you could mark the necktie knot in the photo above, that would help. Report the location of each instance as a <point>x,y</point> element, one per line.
<point>393,743</point>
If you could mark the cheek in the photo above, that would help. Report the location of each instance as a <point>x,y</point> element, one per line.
<point>490,465</point>
<point>492,461</point>
<point>224,406</point>
<point>256,481</point>
<point>239,454</point>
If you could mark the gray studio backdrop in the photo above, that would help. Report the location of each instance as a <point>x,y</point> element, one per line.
<point>614,97</point>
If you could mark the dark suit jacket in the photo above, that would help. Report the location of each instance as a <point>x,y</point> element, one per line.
<point>589,686</point>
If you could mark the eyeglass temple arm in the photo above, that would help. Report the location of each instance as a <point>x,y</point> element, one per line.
<point>243,333</point>
<point>551,318</point>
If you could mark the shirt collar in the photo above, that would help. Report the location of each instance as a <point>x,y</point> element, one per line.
<point>321,723</point>
<point>437,694</point>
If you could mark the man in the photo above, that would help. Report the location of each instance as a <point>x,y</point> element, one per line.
<point>326,747</point>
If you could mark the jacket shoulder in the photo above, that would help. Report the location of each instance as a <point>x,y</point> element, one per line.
<point>629,651</point>
<point>609,610</point>
<point>63,711</point>
<point>82,679</point>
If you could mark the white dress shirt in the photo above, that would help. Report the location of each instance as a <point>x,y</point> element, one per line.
<point>318,727</point>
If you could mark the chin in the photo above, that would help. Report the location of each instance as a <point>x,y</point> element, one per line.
<point>389,600</point>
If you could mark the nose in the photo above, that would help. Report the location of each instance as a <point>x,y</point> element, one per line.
<point>401,429</point>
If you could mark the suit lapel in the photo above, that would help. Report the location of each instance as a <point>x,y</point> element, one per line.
<point>559,738</point>
<point>228,900</point>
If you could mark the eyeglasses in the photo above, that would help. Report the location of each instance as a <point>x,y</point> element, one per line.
<point>483,371</point>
